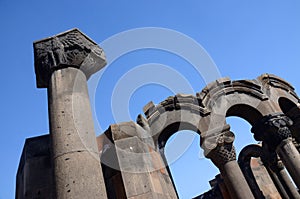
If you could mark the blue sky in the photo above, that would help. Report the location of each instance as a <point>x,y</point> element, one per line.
<point>243,38</point>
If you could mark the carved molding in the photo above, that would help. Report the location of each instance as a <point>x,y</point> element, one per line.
<point>225,86</point>
<point>173,103</point>
<point>68,49</point>
<point>218,146</point>
<point>272,129</point>
<point>222,154</point>
<point>269,80</point>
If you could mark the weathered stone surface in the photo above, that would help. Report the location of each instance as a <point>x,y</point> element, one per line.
<point>79,177</point>
<point>64,62</point>
<point>142,168</point>
<point>35,172</point>
<point>277,82</point>
<point>217,137</point>
<point>75,151</point>
<point>291,159</point>
<point>253,163</point>
<point>68,49</point>
<point>263,179</point>
<point>274,131</point>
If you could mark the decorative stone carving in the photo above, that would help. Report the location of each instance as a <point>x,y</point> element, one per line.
<point>224,86</point>
<point>68,49</point>
<point>269,80</point>
<point>222,154</point>
<point>272,129</point>
<point>218,146</point>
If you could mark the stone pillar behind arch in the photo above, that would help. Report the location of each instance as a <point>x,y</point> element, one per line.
<point>274,131</point>
<point>63,63</point>
<point>142,169</point>
<point>218,146</point>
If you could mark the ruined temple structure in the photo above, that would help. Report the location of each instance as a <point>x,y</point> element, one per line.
<point>127,160</point>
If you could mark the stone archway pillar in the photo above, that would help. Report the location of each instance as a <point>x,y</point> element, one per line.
<point>274,131</point>
<point>142,169</point>
<point>278,173</point>
<point>219,148</point>
<point>63,63</point>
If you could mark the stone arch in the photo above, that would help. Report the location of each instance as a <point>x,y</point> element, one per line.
<point>275,88</point>
<point>182,153</point>
<point>244,160</point>
<point>290,109</point>
<point>206,115</point>
<point>264,185</point>
<point>179,112</point>
<point>173,128</point>
<point>248,99</point>
<point>187,112</point>
<point>282,94</point>
<point>234,98</point>
<point>271,177</point>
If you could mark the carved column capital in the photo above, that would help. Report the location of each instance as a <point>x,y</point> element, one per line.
<point>218,146</point>
<point>272,129</point>
<point>68,49</point>
<point>222,154</point>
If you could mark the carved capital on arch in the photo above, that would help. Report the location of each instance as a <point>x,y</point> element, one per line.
<point>272,129</point>
<point>218,146</point>
<point>222,154</point>
<point>68,49</point>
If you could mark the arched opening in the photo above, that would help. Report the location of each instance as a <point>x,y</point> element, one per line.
<point>286,105</point>
<point>187,163</point>
<point>242,131</point>
<point>253,169</point>
<point>172,129</point>
<point>241,118</point>
<point>291,110</point>
<point>246,112</point>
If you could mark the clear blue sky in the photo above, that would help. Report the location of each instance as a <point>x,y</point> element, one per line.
<point>244,39</point>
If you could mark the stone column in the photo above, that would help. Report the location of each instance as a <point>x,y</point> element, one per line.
<point>277,171</point>
<point>143,171</point>
<point>63,63</point>
<point>274,131</point>
<point>218,146</point>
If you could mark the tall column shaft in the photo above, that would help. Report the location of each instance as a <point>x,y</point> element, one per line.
<point>274,130</point>
<point>218,146</point>
<point>76,160</point>
<point>290,187</point>
<point>279,184</point>
<point>235,181</point>
<point>290,158</point>
<point>278,173</point>
<point>63,63</point>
